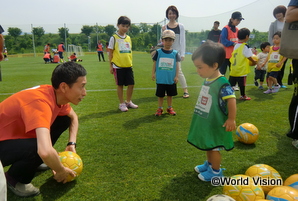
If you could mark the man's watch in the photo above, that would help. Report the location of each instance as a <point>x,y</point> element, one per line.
<point>72,143</point>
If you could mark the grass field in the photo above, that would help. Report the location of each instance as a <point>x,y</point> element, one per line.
<point>137,156</point>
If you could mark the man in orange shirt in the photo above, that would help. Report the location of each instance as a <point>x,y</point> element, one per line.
<point>32,120</point>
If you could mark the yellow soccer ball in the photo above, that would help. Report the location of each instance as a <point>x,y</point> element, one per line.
<point>254,57</point>
<point>73,161</point>
<point>292,181</point>
<point>265,175</point>
<point>243,191</point>
<point>247,133</point>
<point>283,193</point>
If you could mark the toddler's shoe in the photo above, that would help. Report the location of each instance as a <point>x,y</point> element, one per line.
<point>202,168</point>
<point>130,104</point>
<point>123,107</point>
<point>209,174</point>
<point>171,111</point>
<point>261,87</point>
<point>244,98</point>
<point>283,86</point>
<point>158,112</point>
<point>256,83</point>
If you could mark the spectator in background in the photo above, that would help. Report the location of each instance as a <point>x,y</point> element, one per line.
<point>99,48</point>
<point>228,38</point>
<point>279,14</point>
<point>172,15</point>
<point>214,34</point>
<point>61,49</point>
<point>46,48</point>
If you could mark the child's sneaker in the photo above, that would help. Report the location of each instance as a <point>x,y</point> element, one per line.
<point>244,98</point>
<point>209,174</point>
<point>123,107</point>
<point>256,83</point>
<point>275,89</point>
<point>158,112</point>
<point>202,168</point>
<point>171,111</point>
<point>269,91</point>
<point>261,87</point>
<point>130,104</point>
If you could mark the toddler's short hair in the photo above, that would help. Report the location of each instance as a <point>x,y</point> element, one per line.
<point>123,20</point>
<point>210,53</point>
<point>242,33</point>
<point>264,45</point>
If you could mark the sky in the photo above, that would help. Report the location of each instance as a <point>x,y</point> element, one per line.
<point>196,15</point>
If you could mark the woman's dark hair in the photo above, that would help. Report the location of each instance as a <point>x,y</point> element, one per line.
<point>174,9</point>
<point>279,9</point>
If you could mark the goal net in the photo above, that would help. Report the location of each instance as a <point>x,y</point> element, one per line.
<point>75,49</point>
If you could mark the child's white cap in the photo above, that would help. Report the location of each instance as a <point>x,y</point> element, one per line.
<point>168,34</point>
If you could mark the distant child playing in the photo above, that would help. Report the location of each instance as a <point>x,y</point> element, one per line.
<point>165,70</point>
<point>260,72</point>
<point>120,57</point>
<point>275,62</point>
<point>215,111</point>
<point>241,56</point>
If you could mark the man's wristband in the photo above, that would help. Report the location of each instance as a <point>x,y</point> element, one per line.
<point>72,143</point>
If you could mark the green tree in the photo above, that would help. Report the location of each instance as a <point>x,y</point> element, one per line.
<point>14,32</point>
<point>144,28</point>
<point>38,31</point>
<point>87,30</point>
<point>134,30</point>
<point>110,30</point>
<point>62,32</point>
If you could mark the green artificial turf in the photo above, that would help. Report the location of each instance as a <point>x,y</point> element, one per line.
<point>136,156</point>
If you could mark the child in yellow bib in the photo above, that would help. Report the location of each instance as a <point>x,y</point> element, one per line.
<point>240,62</point>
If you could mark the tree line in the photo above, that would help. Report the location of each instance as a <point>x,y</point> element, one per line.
<point>143,37</point>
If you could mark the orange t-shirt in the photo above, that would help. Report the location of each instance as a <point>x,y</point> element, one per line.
<point>23,112</point>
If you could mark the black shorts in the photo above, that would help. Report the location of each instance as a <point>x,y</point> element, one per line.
<point>60,55</point>
<point>273,74</point>
<point>124,76</point>
<point>240,80</point>
<point>170,89</point>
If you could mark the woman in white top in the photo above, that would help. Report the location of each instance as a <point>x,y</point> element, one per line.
<point>279,13</point>
<point>172,15</point>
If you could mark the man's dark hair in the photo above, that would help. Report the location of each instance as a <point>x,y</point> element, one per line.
<point>67,72</point>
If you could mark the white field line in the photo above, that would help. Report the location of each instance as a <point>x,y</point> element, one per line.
<point>135,89</point>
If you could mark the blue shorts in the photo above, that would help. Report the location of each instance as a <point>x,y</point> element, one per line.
<point>273,74</point>
<point>60,55</point>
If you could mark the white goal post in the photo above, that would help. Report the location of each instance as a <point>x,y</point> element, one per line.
<point>75,49</point>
